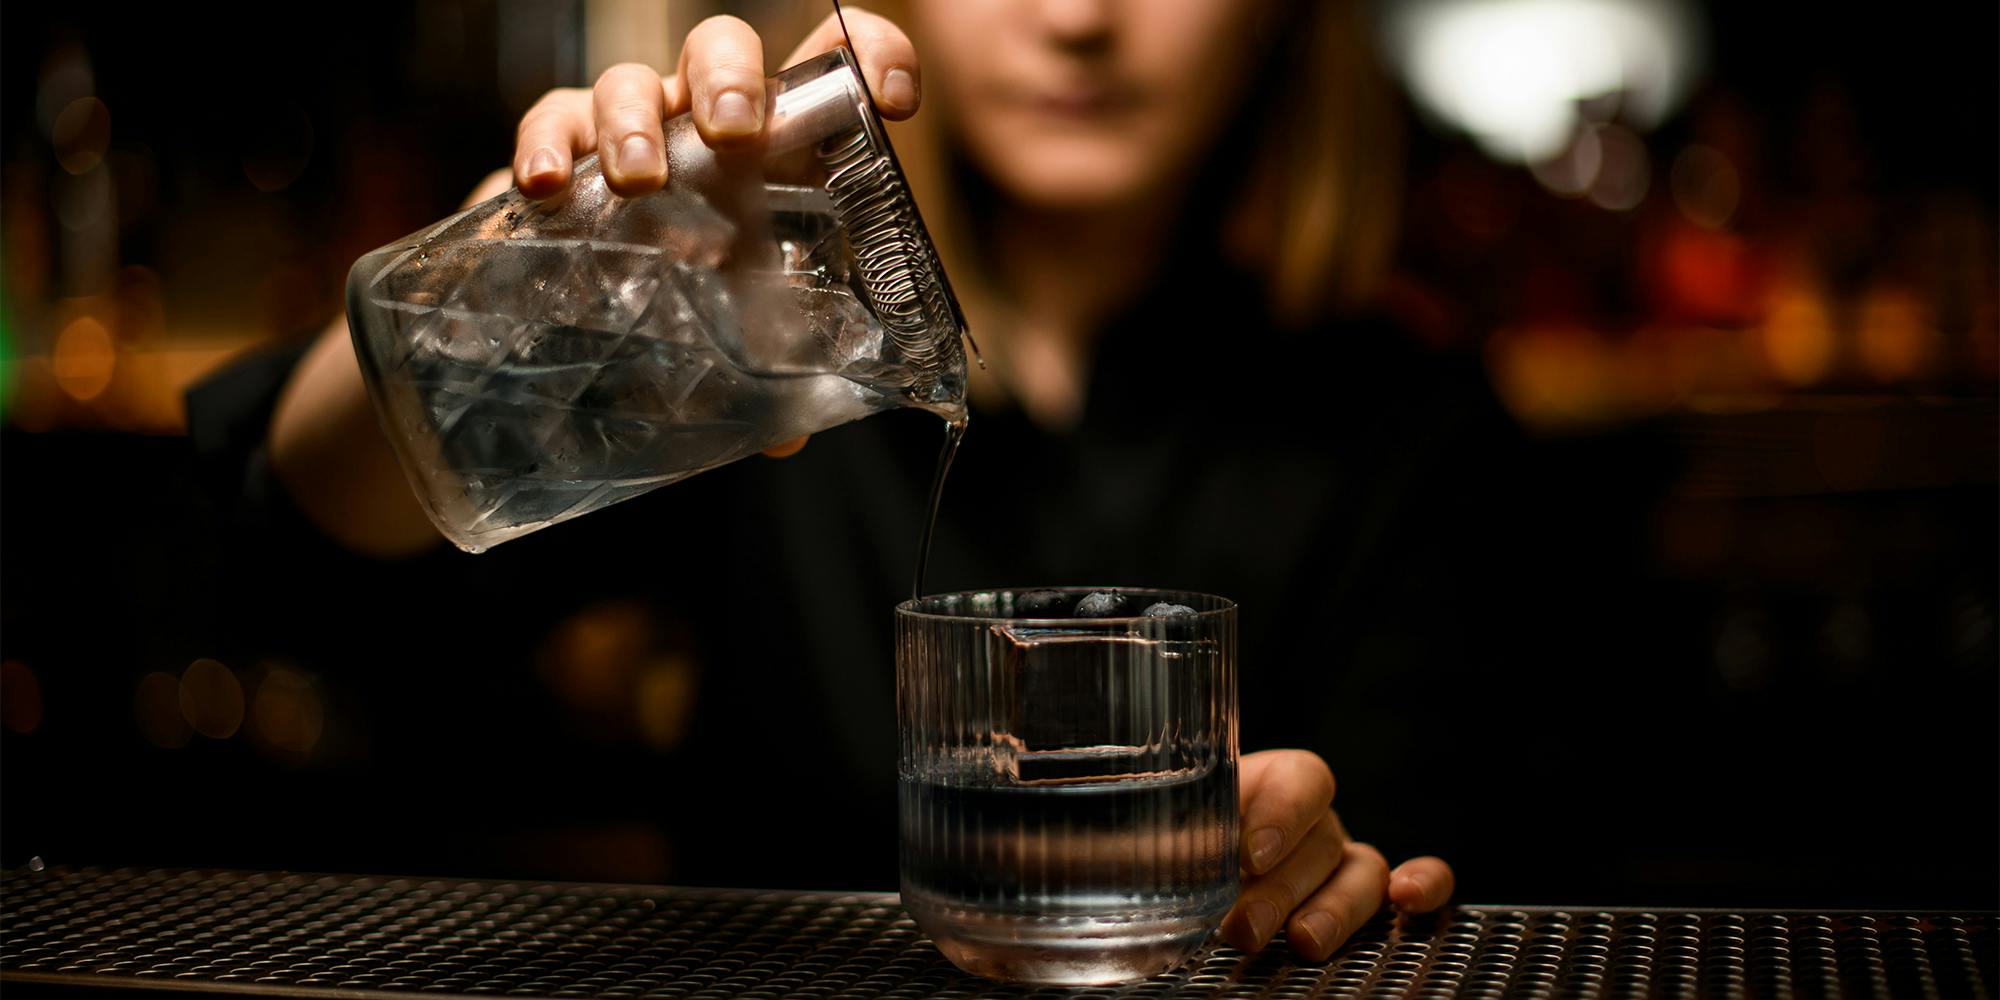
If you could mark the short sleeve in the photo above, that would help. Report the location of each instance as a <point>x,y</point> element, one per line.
<point>229,417</point>
<point>229,420</point>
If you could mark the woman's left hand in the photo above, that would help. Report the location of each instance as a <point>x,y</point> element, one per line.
<point>1302,872</point>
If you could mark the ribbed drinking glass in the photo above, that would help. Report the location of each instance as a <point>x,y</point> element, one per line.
<point>1068,784</point>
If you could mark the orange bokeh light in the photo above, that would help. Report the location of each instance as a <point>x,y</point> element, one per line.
<point>211,699</point>
<point>286,713</point>
<point>84,359</point>
<point>1896,341</point>
<point>81,134</point>
<point>156,707</point>
<point>1798,337</point>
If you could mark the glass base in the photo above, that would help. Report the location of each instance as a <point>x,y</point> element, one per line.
<point>1064,951</point>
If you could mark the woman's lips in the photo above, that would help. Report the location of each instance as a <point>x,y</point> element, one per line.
<point>1085,102</point>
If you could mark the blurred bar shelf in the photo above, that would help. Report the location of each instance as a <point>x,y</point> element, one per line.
<point>1803,445</point>
<point>131,932</point>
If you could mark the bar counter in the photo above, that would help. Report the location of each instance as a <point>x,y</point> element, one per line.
<point>132,932</point>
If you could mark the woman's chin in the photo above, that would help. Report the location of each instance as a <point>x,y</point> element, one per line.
<point>1080,190</point>
<point>1073,176</point>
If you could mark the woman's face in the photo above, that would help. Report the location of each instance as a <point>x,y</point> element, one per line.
<point>1076,104</point>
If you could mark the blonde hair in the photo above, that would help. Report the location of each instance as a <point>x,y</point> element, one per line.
<point>1316,205</point>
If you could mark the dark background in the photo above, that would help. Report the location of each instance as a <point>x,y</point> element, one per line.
<point>1746,650</point>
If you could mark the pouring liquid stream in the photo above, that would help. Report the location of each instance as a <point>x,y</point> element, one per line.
<point>954,431</point>
<point>954,428</point>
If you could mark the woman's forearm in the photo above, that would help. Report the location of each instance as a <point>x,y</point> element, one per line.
<point>329,453</point>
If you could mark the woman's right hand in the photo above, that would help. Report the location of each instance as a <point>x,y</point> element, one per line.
<point>721,79</point>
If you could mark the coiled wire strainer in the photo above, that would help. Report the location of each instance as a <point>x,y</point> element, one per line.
<point>893,255</point>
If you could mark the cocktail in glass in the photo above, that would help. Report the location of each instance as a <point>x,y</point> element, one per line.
<point>1068,784</point>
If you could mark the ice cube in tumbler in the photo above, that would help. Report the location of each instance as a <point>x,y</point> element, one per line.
<point>1090,706</point>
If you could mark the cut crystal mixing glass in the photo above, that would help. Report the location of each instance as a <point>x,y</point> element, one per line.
<point>533,361</point>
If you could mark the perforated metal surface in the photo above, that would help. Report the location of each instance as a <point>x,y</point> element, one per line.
<point>334,935</point>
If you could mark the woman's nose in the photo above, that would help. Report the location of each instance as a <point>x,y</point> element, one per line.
<point>1076,22</point>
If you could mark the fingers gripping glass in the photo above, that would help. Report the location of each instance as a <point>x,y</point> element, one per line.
<point>533,361</point>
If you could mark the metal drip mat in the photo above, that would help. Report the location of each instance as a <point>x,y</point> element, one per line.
<point>271,934</point>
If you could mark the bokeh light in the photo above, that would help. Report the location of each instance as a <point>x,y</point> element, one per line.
<point>1624,171</point>
<point>666,700</point>
<point>1709,275</point>
<point>81,134</point>
<point>1515,73</point>
<point>1571,172</point>
<point>65,79</point>
<point>156,707</point>
<point>1706,186</point>
<point>1551,375</point>
<point>82,200</point>
<point>84,358</point>
<point>211,699</point>
<point>592,659</point>
<point>286,713</point>
<point>1896,341</point>
<point>1798,337</point>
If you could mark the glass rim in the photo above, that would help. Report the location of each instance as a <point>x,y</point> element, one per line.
<point>908,608</point>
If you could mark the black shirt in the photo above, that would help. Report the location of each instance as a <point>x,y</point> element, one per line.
<point>1328,480</point>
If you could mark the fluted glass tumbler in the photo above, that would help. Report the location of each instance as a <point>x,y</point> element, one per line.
<point>1068,783</point>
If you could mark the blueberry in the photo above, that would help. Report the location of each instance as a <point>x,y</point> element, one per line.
<point>1103,604</point>
<point>1041,604</point>
<point>1175,622</point>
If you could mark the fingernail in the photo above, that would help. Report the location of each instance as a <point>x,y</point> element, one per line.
<point>1264,847</point>
<point>900,89</point>
<point>636,157</point>
<point>732,113</point>
<point>543,162</point>
<point>1322,929</point>
<point>1263,921</point>
<point>1412,893</point>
